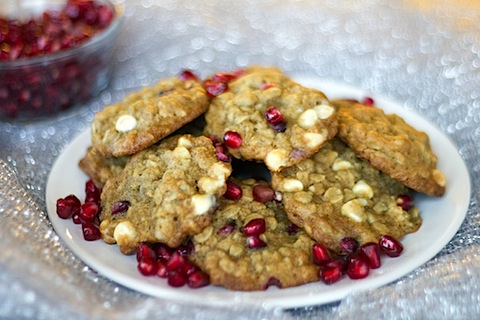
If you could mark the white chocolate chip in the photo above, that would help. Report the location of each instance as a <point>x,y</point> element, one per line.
<point>124,232</point>
<point>314,140</point>
<point>182,153</point>
<point>353,209</point>
<point>362,189</point>
<point>307,119</point>
<point>210,185</point>
<point>292,185</point>
<point>341,164</point>
<point>439,177</point>
<point>276,159</point>
<point>324,111</point>
<point>202,203</point>
<point>125,123</point>
<point>184,142</point>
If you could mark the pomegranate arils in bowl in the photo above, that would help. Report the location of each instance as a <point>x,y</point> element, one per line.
<point>55,60</point>
<point>232,139</point>
<point>262,193</point>
<point>68,207</point>
<point>390,246</point>
<point>254,227</point>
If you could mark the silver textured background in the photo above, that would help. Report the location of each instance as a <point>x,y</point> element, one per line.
<point>422,52</point>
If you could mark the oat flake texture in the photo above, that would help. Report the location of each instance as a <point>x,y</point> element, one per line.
<point>424,53</point>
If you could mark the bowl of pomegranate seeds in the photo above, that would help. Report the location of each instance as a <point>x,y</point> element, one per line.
<point>54,54</point>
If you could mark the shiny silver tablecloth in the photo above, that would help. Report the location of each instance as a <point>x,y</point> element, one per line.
<point>424,53</point>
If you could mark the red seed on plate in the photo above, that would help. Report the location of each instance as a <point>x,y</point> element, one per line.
<point>88,212</point>
<point>370,252</point>
<point>390,246</point>
<point>186,75</point>
<point>198,279</point>
<point>145,252</point>
<point>90,231</point>
<point>320,254</point>
<point>349,245</point>
<point>357,267</point>
<point>68,207</point>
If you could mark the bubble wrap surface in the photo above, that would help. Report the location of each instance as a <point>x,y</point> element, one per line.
<point>422,52</point>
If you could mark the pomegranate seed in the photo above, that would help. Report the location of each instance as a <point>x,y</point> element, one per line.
<point>280,127</point>
<point>262,193</point>
<point>368,101</point>
<point>232,139</point>
<point>390,246</point>
<point>222,157</point>
<point>177,279</point>
<point>198,279</point>
<point>147,267</point>
<point>320,254</point>
<point>214,89</point>
<point>331,273</point>
<point>162,251</point>
<point>90,231</point>
<point>227,229</point>
<point>68,207</point>
<point>186,249</point>
<point>89,212</point>
<point>265,86</point>
<point>120,207</point>
<point>76,219</point>
<point>272,281</point>
<point>176,262</point>
<point>357,267</point>
<point>186,75</point>
<point>370,252</point>
<point>92,192</point>
<point>190,268</point>
<point>348,245</point>
<point>254,227</point>
<point>292,229</point>
<point>254,242</point>
<point>145,252</point>
<point>405,201</point>
<point>224,77</point>
<point>162,271</point>
<point>234,191</point>
<point>273,116</point>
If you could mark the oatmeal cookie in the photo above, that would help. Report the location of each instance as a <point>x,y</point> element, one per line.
<point>389,144</point>
<point>334,195</point>
<point>164,194</point>
<point>100,168</point>
<point>222,249</point>
<point>279,121</point>
<point>145,117</point>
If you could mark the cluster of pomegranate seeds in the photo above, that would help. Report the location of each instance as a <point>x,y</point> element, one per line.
<point>85,214</point>
<point>232,139</point>
<point>357,261</point>
<point>38,89</point>
<point>275,119</point>
<point>171,263</point>
<point>253,229</point>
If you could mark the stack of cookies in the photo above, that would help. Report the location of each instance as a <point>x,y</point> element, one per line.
<point>330,170</point>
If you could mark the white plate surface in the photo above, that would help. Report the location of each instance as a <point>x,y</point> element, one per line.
<point>442,218</point>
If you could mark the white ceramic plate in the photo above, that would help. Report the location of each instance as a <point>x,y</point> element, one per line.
<point>442,218</point>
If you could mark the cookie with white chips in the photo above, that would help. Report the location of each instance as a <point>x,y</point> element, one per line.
<point>145,117</point>
<point>266,116</point>
<point>164,194</point>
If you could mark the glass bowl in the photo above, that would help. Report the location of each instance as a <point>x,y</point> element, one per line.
<point>38,86</point>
